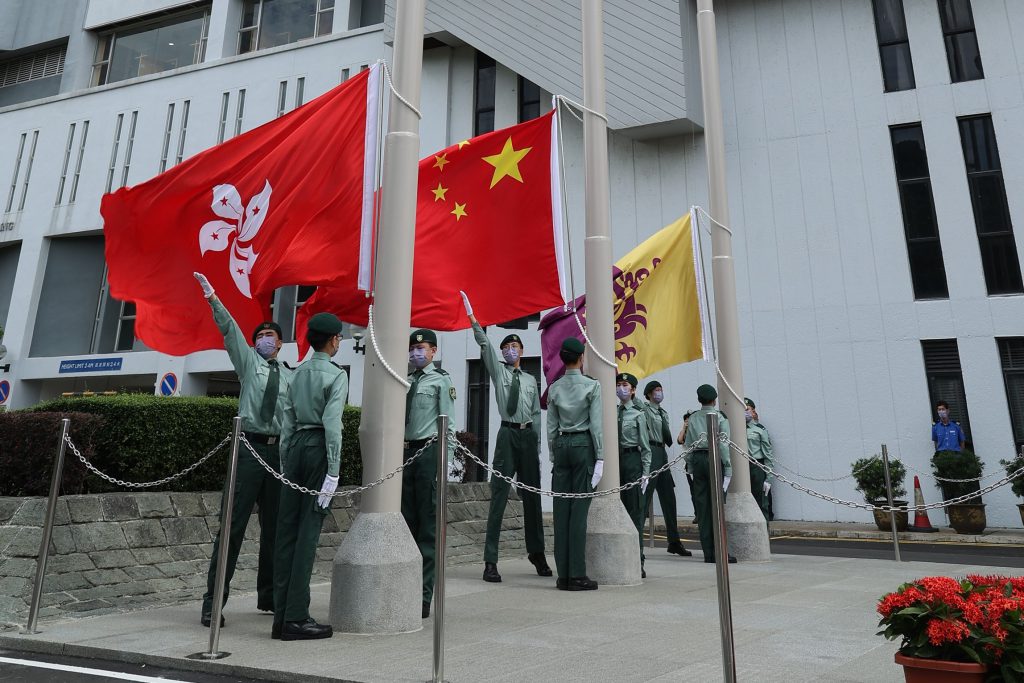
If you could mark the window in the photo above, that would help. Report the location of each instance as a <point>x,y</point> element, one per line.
<point>478,406</point>
<point>529,100</point>
<point>920,226</point>
<point>149,47</point>
<point>34,66</point>
<point>128,150</point>
<point>961,40</point>
<point>300,87</point>
<point>1011,355</point>
<point>269,23</point>
<point>78,164</point>
<point>371,12</point>
<point>168,129</point>
<point>182,130</point>
<point>64,167</point>
<point>302,294</point>
<point>282,96</point>
<point>483,94</point>
<point>222,126</point>
<point>344,75</point>
<point>14,175</point>
<point>125,338</point>
<point>113,151</point>
<point>239,111</point>
<point>894,45</point>
<point>991,212</point>
<point>946,380</point>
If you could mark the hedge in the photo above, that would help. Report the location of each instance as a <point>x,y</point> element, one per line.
<point>28,449</point>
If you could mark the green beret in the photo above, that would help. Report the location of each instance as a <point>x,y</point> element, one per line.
<point>706,393</point>
<point>651,386</point>
<point>750,403</point>
<point>327,323</point>
<point>626,377</point>
<point>420,336</point>
<point>511,338</point>
<point>572,345</point>
<point>268,325</point>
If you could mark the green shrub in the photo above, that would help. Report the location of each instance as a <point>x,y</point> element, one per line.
<point>963,464</point>
<point>869,473</point>
<point>28,450</point>
<point>1011,466</point>
<point>351,457</point>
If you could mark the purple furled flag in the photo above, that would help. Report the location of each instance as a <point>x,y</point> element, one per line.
<point>554,328</point>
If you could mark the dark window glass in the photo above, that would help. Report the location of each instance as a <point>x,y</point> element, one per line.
<point>529,100</point>
<point>478,416</point>
<point>920,226</point>
<point>1011,355</point>
<point>946,380</point>
<point>991,211</point>
<point>286,21</point>
<point>893,45</point>
<point>962,51</point>
<point>483,94</point>
<point>151,47</point>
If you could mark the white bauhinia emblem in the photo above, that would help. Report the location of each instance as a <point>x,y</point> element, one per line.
<point>219,235</point>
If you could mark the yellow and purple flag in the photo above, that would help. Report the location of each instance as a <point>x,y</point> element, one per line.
<point>660,311</point>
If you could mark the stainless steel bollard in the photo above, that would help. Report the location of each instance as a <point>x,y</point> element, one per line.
<point>721,552</point>
<point>888,494</point>
<point>44,543</point>
<point>650,518</point>
<point>222,556</point>
<point>439,549</point>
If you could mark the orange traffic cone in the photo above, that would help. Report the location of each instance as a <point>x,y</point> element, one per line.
<point>921,521</point>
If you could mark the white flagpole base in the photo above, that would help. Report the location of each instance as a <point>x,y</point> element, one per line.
<point>613,544</point>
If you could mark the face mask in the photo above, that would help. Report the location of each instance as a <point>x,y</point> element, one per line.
<point>510,354</point>
<point>418,357</point>
<point>658,396</point>
<point>622,392</point>
<point>266,346</point>
<point>943,414</point>
<point>749,415</point>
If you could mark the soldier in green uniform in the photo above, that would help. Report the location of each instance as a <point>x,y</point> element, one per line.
<point>431,393</point>
<point>634,454</point>
<point>311,457</point>
<point>660,436</point>
<point>576,446</point>
<point>517,452</point>
<point>697,466</point>
<point>264,385</point>
<point>759,445</point>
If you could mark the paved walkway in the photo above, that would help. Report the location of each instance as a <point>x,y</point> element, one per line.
<point>796,619</point>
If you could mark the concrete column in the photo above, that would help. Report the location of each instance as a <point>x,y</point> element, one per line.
<point>21,319</point>
<point>222,31</point>
<point>613,548</point>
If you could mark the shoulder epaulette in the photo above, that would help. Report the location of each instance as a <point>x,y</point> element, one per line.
<point>336,365</point>
<point>440,371</point>
<point>589,377</point>
<point>285,363</point>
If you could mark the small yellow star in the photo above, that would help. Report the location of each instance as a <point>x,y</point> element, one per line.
<point>463,144</point>
<point>506,162</point>
<point>440,160</point>
<point>459,211</point>
<point>439,192</point>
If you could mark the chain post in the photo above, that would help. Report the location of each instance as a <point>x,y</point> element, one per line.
<point>650,517</point>
<point>440,549</point>
<point>721,550</point>
<point>892,508</point>
<point>44,544</point>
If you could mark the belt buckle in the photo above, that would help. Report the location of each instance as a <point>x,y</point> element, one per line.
<point>271,440</point>
<point>405,444</point>
<point>523,425</point>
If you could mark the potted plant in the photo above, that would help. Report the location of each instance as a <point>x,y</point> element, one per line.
<point>968,630</point>
<point>1017,485</point>
<point>869,473</point>
<point>967,517</point>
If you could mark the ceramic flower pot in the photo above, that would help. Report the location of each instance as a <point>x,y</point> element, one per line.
<point>917,670</point>
<point>967,518</point>
<point>882,516</point>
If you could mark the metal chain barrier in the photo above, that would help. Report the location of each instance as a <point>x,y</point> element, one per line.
<point>867,506</point>
<point>146,484</point>
<point>828,479</point>
<point>346,492</point>
<point>952,481</point>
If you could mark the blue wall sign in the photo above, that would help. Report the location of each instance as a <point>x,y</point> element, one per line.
<point>90,365</point>
<point>5,391</point>
<point>168,384</point>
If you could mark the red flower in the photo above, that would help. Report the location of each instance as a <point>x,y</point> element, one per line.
<point>941,631</point>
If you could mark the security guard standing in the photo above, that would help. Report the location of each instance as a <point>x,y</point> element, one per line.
<point>576,444</point>
<point>517,452</point>
<point>660,436</point>
<point>697,465</point>
<point>431,393</point>
<point>311,457</point>
<point>759,445</point>
<point>264,385</point>
<point>634,454</point>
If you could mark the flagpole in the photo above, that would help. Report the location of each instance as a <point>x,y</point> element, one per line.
<point>376,585</point>
<point>746,526</point>
<point>613,548</point>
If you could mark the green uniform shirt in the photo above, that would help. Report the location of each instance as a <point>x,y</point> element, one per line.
<point>435,395</point>
<point>574,405</point>
<point>697,427</point>
<point>657,425</point>
<point>528,408</point>
<point>633,431</point>
<point>316,400</point>
<point>252,371</point>
<point>759,444</point>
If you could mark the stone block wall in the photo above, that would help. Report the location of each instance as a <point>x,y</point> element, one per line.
<point>120,551</point>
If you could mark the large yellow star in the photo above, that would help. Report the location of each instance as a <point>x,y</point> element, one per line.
<point>463,144</point>
<point>459,211</point>
<point>440,160</point>
<point>506,162</point>
<point>439,192</point>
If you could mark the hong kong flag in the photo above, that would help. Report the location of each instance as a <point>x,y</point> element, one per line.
<point>282,204</point>
<point>488,221</point>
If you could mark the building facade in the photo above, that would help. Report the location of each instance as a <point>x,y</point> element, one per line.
<point>873,149</point>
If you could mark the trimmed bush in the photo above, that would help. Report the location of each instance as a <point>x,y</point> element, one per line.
<point>351,456</point>
<point>869,473</point>
<point>28,450</point>
<point>963,464</point>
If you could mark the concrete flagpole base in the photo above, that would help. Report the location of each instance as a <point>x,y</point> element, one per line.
<point>746,528</point>
<point>377,582</point>
<point>613,544</point>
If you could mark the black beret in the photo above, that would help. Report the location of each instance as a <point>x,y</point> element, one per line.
<point>651,386</point>
<point>511,338</point>
<point>706,393</point>
<point>267,325</point>
<point>572,345</point>
<point>325,323</point>
<point>750,403</point>
<point>420,336</point>
<point>626,377</point>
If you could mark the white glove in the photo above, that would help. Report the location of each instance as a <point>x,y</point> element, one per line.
<point>329,486</point>
<point>205,284</point>
<point>598,471</point>
<point>465,302</point>
<point>767,488</point>
<point>725,482</point>
<point>643,485</point>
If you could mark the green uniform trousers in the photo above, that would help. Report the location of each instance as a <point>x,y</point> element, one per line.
<point>419,507</point>
<point>515,454</point>
<point>572,472</point>
<point>631,468</point>
<point>253,486</point>
<point>701,490</point>
<point>299,521</point>
<point>757,477</point>
<point>665,486</point>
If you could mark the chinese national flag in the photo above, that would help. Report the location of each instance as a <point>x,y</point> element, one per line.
<point>282,204</point>
<point>488,221</point>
